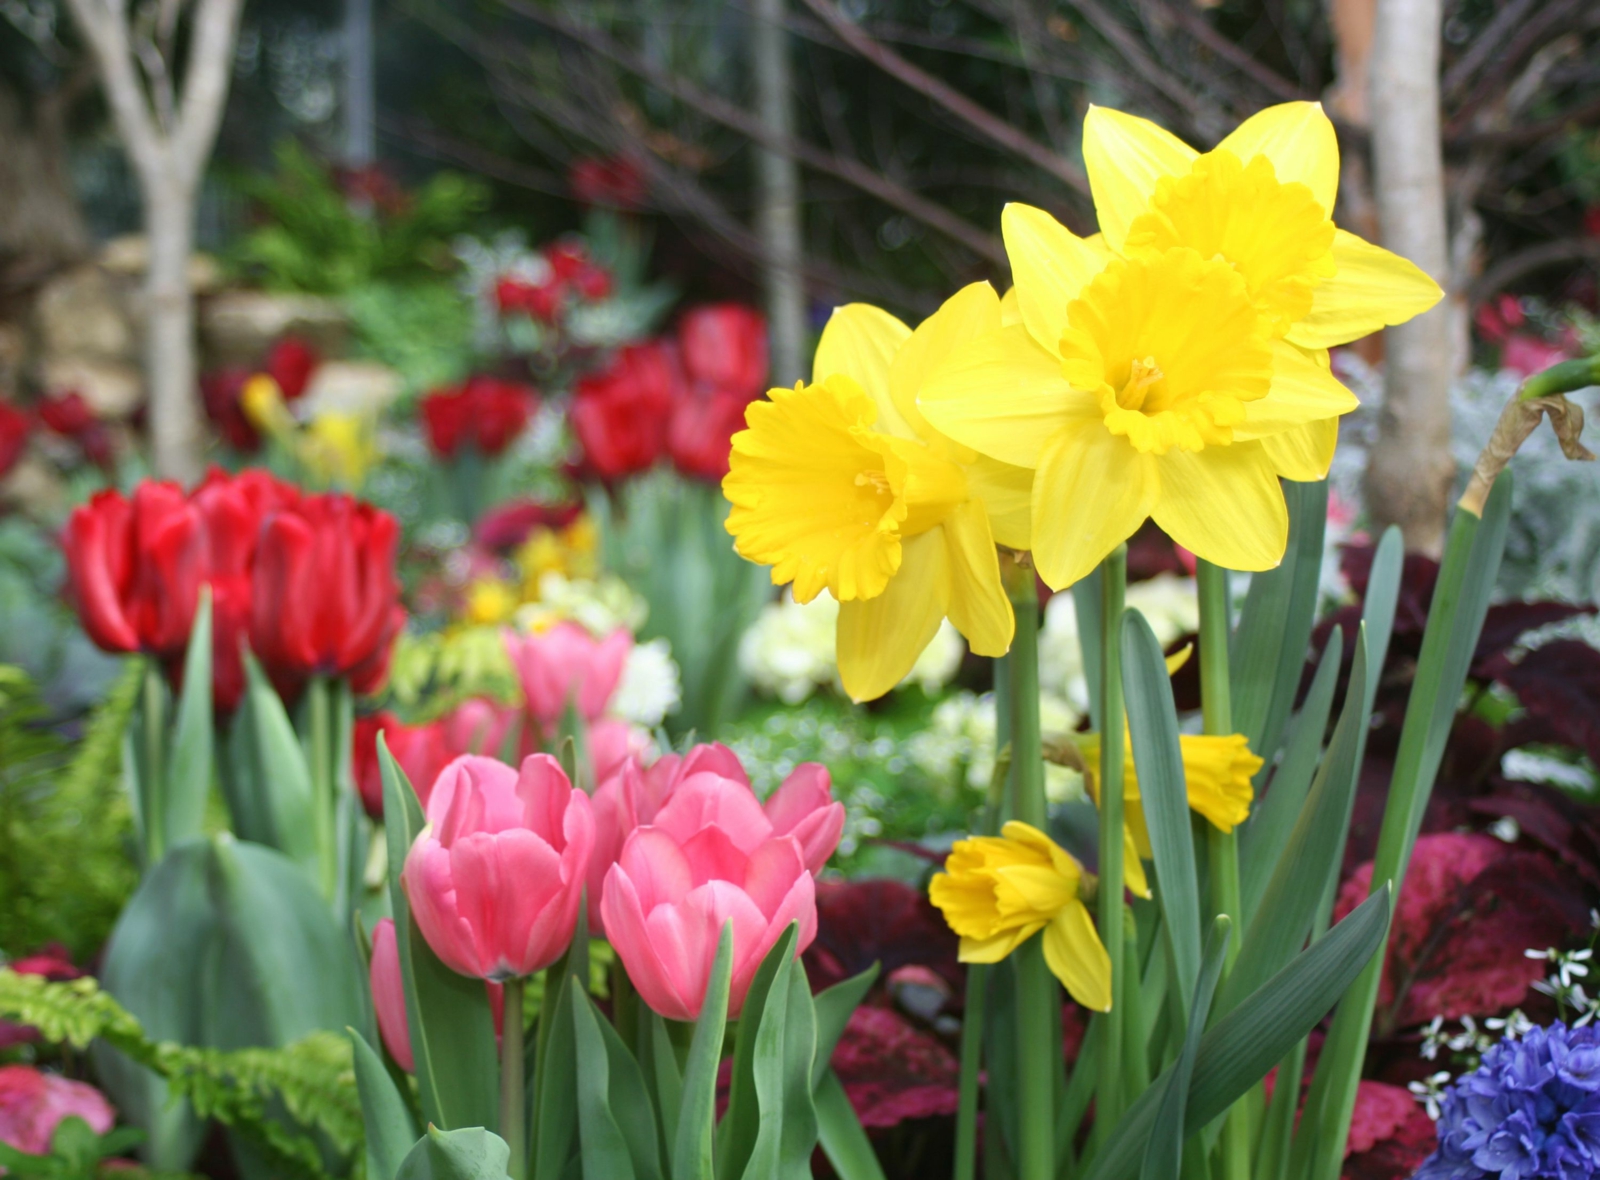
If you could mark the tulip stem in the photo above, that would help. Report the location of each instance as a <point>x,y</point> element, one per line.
<point>154,787</point>
<point>319,706</point>
<point>1109,900</point>
<point>513,1106</point>
<point>1216,714</point>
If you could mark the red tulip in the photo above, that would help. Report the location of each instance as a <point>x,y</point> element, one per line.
<point>14,427</point>
<point>725,348</point>
<point>509,524</point>
<point>615,182</point>
<point>419,749</point>
<point>487,412</point>
<point>325,595</point>
<point>290,363</point>
<point>700,436</point>
<point>135,568</point>
<point>220,393</point>
<point>68,414</point>
<point>620,414</point>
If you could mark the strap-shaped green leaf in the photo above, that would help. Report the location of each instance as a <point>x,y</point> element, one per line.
<point>1239,1049</point>
<point>844,1141</point>
<point>736,1134</point>
<point>602,1146</point>
<point>665,1077</point>
<point>1163,1156</point>
<point>692,1148</point>
<point>189,767</point>
<point>834,1006</point>
<point>786,1045</point>
<point>468,1154</point>
<point>391,1132</point>
<point>555,1104</point>
<point>1158,759</point>
<point>268,785</point>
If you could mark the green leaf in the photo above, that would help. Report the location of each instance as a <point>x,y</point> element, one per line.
<point>1237,1051</point>
<point>1274,632</point>
<point>1158,760</point>
<point>555,1105</point>
<point>268,787</point>
<point>604,1151</point>
<point>834,1006</point>
<point>844,1141</point>
<point>1163,1156</point>
<point>391,1133</point>
<point>665,1076</point>
<point>736,1134</point>
<point>189,766</point>
<point>468,1154</point>
<point>785,1047</point>
<point>1308,866</point>
<point>692,1148</point>
<point>1262,839</point>
<point>452,1027</point>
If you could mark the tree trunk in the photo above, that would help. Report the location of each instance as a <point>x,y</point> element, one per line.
<point>1410,471</point>
<point>780,198</point>
<point>175,430</point>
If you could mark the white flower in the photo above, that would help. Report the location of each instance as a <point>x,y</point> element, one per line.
<point>602,605</point>
<point>1168,603</point>
<point>650,688</point>
<point>1430,1092</point>
<point>962,731</point>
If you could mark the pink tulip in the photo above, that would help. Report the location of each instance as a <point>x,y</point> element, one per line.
<point>495,877</point>
<point>802,807</point>
<point>710,858</point>
<point>567,663</point>
<point>478,726</point>
<point>612,744</point>
<point>32,1103</point>
<point>389,996</point>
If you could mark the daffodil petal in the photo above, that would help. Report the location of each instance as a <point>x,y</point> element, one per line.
<point>1299,140</point>
<point>1007,494</point>
<point>1305,453</point>
<point>1133,867</point>
<point>979,607</point>
<point>1091,492</point>
<point>1303,390</point>
<point>1050,264</point>
<point>1038,887</point>
<point>860,341</point>
<point>1224,504</point>
<point>1125,156</point>
<point>1002,394</point>
<point>971,312</point>
<point>1010,309</point>
<point>1076,956</point>
<point>992,950</point>
<point>880,638</point>
<point>1372,289</point>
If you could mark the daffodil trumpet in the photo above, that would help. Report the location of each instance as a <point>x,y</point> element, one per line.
<point>1174,366</point>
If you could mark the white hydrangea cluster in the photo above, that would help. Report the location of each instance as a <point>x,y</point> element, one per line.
<point>602,604</point>
<point>960,740</point>
<point>650,687</point>
<point>1167,601</point>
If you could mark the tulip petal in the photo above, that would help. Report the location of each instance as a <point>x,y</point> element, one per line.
<point>656,868</point>
<point>715,758</point>
<point>879,639</point>
<point>1002,394</point>
<point>430,891</point>
<point>1303,390</point>
<point>971,312</point>
<point>92,538</point>
<point>1091,493</point>
<point>1305,453</point>
<point>503,882</point>
<point>704,801</point>
<point>771,872</point>
<point>1076,957</point>
<point>1051,264</point>
<point>1224,504</point>
<point>1299,140</point>
<point>655,954</point>
<point>1372,289</point>
<point>978,606</point>
<point>714,856</point>
<point>1125,156</point>
<point>860,341</point>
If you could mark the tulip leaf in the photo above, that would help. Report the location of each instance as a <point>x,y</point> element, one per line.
<point>1237,1051</point>
<point>1163,1155</point>
<point>843,1139</point>
<point>736,1134</point>
<point>555,1105</point>
<point>1262,839</point>
<point>452,1028</point>
<point>786,1042</point>
<point>390,1130</point>
<point>616,1123</point>
<point>666,1076</point>
<point>268,787</point>
<point>834,1006</point>
<point>468,1154</point>
<point>692,1147</point>
<point>1158,760</point>
<point>1308,866</point>
<point>188,782</point>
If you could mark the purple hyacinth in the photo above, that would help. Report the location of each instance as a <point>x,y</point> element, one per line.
<point>1531,1111</point>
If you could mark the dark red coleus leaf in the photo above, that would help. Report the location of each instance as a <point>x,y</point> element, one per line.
<point>893,1071</point>
<point>1559,684</point>
<point>1390,1134</point>
<point>860,923</point>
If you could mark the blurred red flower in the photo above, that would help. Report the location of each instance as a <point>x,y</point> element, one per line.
<point>508,525</point>
<point>14,428</point>
<point>620,414</point>
<point>724,351</point>
<point>291,362</point>
<point>72,417</point>
<point>614,182</point>
<point>485,412</point>
<point>220,391</point>
<point>420,750</point>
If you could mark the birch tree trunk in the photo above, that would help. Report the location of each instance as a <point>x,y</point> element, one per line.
<point>168,138</point>
<point>1410,471</point>
<point>780,197</point>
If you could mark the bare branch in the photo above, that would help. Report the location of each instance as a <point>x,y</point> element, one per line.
<point>105,27</point>
<point>1200,29</point>
<point>205,83</point>
<point>1517,264</point>
<point>952,100</point>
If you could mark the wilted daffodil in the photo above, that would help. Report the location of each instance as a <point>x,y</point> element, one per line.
<point>1217,771</point>
<point>999,891</point>
<point>1174,366</point>
<point>842,485</point>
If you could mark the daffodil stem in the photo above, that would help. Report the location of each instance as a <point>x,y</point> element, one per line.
<point>1216,715</point>
<point>153,771</point>
<point>513,1107</point>
<point>1108,1101</point>
<point>319,706</point>
<point>1038,1006</point>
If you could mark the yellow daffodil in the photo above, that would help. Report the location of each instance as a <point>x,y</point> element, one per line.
<point>1175,365</point>
<point>842,485</point>
<point>1217,772</point>
<point>999,891</point>
<point>338,448</point>
<point>490,600</point>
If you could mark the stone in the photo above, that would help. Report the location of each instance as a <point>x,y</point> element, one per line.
<point>113,389</point>
<point>238,327</point>
<point>128,257</point>
<point>351,387</point>
<point>82,313</point>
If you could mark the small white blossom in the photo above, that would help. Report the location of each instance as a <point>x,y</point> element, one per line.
<point>1430,1092</point>
<point>650,687</point>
